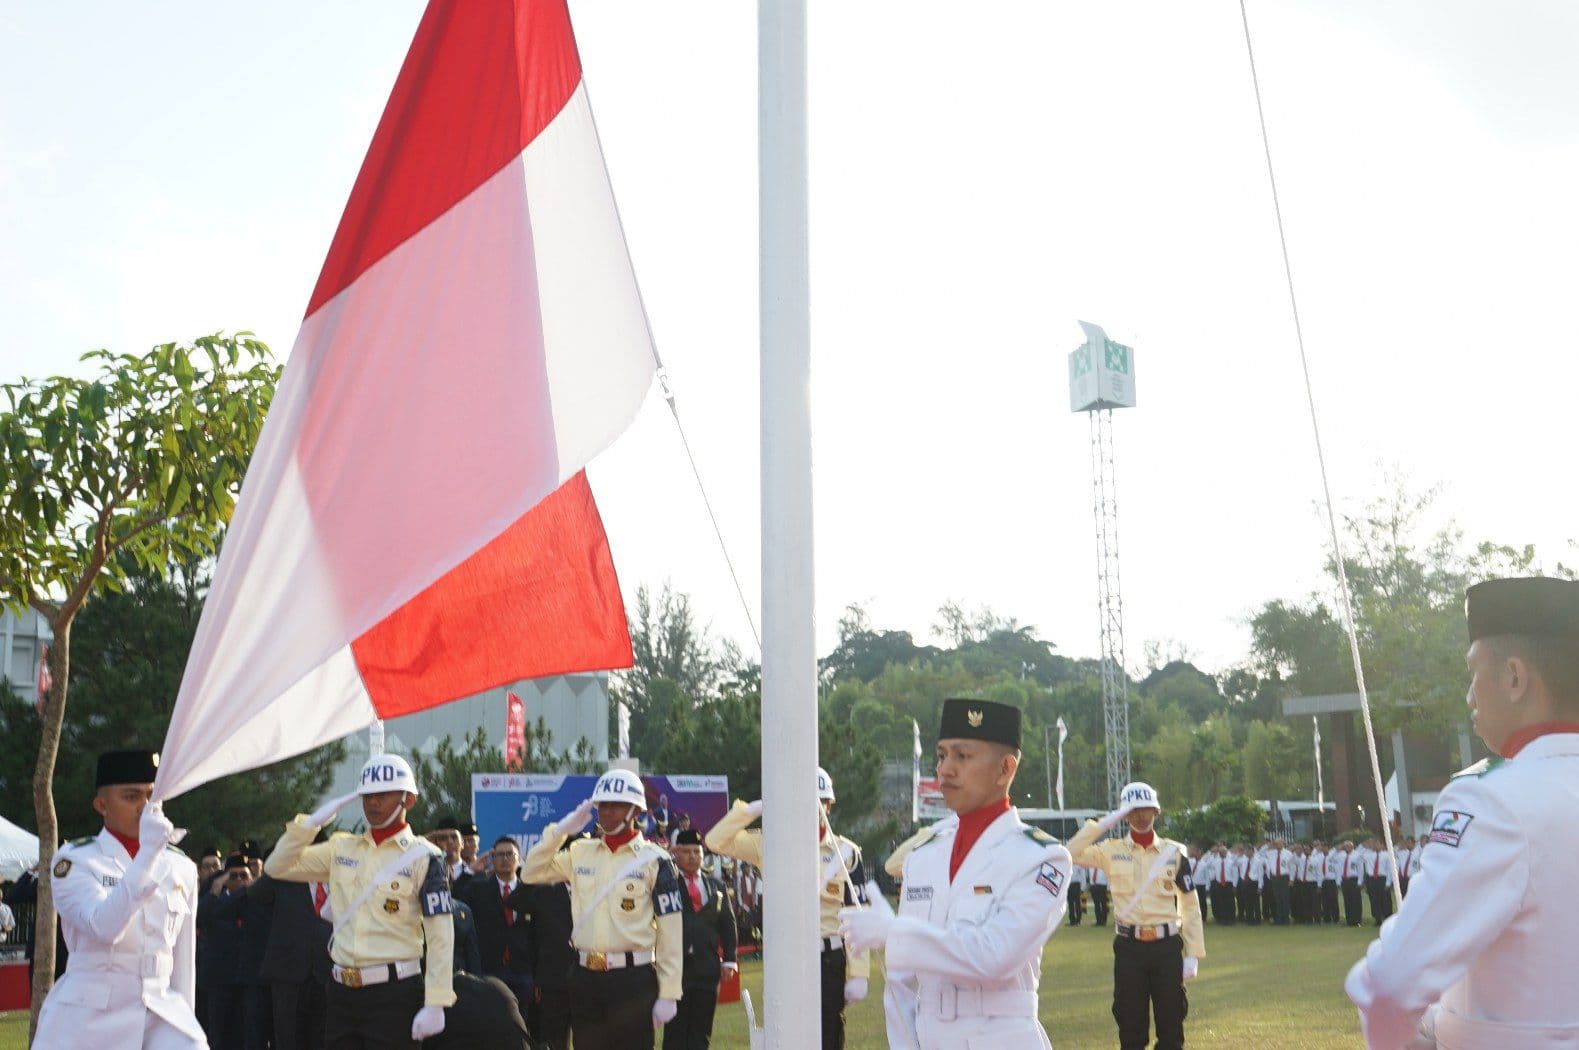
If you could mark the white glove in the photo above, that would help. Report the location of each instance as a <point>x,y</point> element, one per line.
<point>428,1022</point>
<point>1112,820</point>
<point>729,969</point>
<point>866,929</point>
<point>663,1012</point>
<point>1192,966</point>
<point>154,829</point>
<point>325,813</point>
<point>576,820</point>
<point>854,990</point>
<point>754,808</point>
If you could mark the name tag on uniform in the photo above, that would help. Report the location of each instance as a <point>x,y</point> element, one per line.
<point>1123,856</point>
<point>580,870</point>
<point>981,891</point>
<point>918,893</point>
<point>346,861</point>
<point>109,880</point>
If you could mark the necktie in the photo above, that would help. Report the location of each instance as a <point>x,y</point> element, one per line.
<point>1346,857</point>
<point>696,892</point>
<point>320,897</point>
<point>504,897</point>
<point>1278,870</point>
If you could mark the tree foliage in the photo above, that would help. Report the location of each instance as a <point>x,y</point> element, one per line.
<point>136,467</point>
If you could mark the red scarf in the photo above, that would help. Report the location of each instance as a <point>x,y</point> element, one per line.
<point>1144,839</point>
<point>380,834</point>
<point>131,844</point>
<point>971,825</point>
<point>1522,737</point>
<point>614,842</point>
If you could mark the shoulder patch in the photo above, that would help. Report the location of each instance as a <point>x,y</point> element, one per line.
<point>1481,768</point>
<point>1449,826</point>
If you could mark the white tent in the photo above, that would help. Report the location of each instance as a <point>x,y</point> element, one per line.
<point>18,850</point>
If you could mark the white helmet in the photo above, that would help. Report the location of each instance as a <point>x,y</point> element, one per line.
<point>824,785</point>
<point>386,773</point>
<point>620,785</point>
<point>1139,796</point>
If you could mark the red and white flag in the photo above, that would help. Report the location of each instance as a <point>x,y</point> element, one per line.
<point>514,731</point>
<point>414,526</point>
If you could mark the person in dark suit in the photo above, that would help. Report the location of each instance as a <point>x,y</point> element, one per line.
<point>548,907</point>
<point>296,962</point>
<point>219,923</point>
<point>446,835</point>
<point>709,924</point>
<point>485,1014</point>
<point>504,935</point>
<point>255,913</point>
<point>468,957</point>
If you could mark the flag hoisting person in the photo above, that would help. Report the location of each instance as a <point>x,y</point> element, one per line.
<point>1480,956</point>
<point>127,902</point>
<point>627,926</point>
<point>982,893</point>
<point>389,898</point>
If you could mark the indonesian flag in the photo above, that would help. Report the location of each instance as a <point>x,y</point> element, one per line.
<point>414,526</point>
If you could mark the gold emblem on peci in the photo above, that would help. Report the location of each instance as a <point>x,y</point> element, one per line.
<point>974,718</point>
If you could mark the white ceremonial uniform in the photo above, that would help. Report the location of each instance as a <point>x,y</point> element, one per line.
<point>1206,868</point>
<point>966,955</point>
<point>1315,867</point>
<point>1335,865</point>
<point>1095,877</point>
<point>1482,952</point>
<point>1256,872</point>
<point>1414,861</point>
<point>131,979</point>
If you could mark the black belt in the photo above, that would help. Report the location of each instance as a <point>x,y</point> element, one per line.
<point>1147,934</point>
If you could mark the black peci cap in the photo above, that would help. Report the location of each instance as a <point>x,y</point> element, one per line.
<point>1533,606</point>
<point>468,828</point>
<point>980,720</point>
<point>126,767</point>
<point>446,823</point>
<point>235,860</point>
<point>250,849</point>
<point>688,837</point>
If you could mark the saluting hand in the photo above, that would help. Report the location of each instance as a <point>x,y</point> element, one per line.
<point>326,812</point>
<point>577,819</point>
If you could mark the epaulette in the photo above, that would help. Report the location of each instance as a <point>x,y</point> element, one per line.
<point>177,850</point>
<point>1479,769</point>
<point>85,840</point>
<point>1041,837</point>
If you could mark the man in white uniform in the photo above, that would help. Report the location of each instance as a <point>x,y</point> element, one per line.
<point>981,894</point>
<point>127,902</point>
<point>1481,955</point>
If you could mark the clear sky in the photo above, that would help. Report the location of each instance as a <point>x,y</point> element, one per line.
<point>982,176</point>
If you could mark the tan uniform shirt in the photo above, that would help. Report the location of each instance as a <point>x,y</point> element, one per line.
<point>1145,892</point>
<point>408,913</point>
<point>641,912</point>
<point>732,837</point>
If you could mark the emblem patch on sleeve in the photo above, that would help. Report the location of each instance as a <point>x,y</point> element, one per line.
<point>1050,879</point>
<point>62,868</point>
<point>1449,826</point>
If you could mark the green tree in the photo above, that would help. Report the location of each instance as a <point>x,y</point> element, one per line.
<point>139,464</point>
<point>128,652</point>
<point>1234,818</point>
<point>445,773</point>
<point>1277,765</point>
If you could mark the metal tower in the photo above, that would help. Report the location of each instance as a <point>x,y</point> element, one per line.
<point>1102,378</point>
<point>1110,605</point>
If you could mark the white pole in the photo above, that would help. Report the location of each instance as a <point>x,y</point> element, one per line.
<point>791,990</point>
<point>375,739</point>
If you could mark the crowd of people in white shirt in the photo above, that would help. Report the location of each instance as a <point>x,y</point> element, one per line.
<point>1284,883</point>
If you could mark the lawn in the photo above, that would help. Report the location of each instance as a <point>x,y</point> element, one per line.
<point>1259,986</point>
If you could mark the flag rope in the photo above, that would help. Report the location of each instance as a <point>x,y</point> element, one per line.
<point>1326,487</point>
<point>668,392</point>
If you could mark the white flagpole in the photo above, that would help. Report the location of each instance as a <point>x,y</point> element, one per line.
<point>915,773</point>
<point>1321,790</point>
<point>1063,731</point>
<point>791,985</point>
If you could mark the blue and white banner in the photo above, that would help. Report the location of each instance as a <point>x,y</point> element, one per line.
<point>521,805</point>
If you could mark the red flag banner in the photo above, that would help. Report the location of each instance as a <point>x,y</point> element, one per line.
<point>415,526</point>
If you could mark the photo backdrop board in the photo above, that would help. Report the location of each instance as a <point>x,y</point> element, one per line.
<point>521,805</point>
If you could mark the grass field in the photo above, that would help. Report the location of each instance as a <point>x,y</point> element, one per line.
<point>1259,986</point>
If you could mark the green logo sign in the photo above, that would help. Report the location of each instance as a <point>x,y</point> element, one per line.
<point>1080,362</point>
<point>1116,357</point>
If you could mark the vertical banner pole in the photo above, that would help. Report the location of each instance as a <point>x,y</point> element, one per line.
<point>789,659</point>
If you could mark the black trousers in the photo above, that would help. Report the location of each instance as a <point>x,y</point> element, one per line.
<point>1099,903</point>
<point>833,963</point>
<point>692,1027</point>
<point>549,1018</point>
<point>1148,980</point>
<point>1352,913</point>
<point>1223,903</point>
<point>1249,902</point>
<point>612,1009</point>
<point>1077,907</point>
<point>1279,887</point>
<point>1203,894</point>
<point>299,1008</point>
<point>1329,901</point>
<point>223,1024</point>
<point>1381,897</point>
<point>376,1017</point>
<point>257,1015</point>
